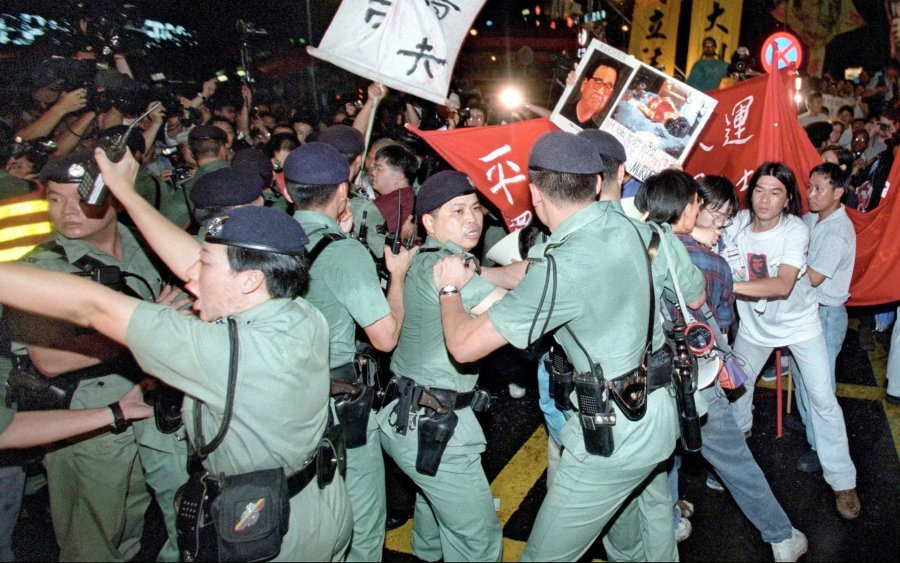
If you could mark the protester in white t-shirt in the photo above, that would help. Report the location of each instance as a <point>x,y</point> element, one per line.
<point>766,248</point>
<point>832,252</point>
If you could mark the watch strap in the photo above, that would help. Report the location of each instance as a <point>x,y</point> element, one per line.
<point>119,422</point>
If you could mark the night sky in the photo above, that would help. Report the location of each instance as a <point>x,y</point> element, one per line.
<point>214,22</point>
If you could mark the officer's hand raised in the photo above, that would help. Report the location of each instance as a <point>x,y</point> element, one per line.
<point>118,176</point>
<point>398,264</point>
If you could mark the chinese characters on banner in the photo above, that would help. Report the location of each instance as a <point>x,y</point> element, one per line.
<point>654,33</point>
<point>656,117</point>
<point>409,45</point>
<point>496,159</point>
<point>719,19</point>
<point>753,122</point>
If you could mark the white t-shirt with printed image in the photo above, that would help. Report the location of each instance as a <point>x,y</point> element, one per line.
<point>751,255</point>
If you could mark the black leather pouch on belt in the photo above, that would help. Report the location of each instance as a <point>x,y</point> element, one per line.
<point>596,414</point>
<point>251,515</point>
<point>353,403</point>
<point>435,431</point>
<point>167,407</point>
<point>561,383</point>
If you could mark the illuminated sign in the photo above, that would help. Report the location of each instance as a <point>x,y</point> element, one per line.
<point>24,29</point>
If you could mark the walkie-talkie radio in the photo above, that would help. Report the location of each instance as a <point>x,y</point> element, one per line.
<point>92,188</point>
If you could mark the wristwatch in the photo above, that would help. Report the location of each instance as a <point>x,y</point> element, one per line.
<point>119,422</point>
<point>448,289</point>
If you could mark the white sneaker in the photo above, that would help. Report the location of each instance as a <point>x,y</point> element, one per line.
<point>683,530</point>
<point>792,548</point>
<point>516,391</point>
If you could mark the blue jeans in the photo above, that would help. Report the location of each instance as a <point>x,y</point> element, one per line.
<point>834,328</point>
<point>12,486</point>
<point>893,366</point>
<point>554,417</point>
<point>826,416</point>
<point>725,448</point>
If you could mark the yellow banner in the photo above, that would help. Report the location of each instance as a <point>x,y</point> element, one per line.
<point>654,33</point>
<point>720,20</point>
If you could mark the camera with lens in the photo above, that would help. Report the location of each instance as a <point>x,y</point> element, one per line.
<point>179,175</point>
<point>741,63</point>
<point>464,114</point>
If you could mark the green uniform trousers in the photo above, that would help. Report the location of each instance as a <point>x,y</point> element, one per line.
<point>165,472</point>
<point>98,498</point>
<point>454,517</point>
<point>588,492</point>
<point>368,500</point>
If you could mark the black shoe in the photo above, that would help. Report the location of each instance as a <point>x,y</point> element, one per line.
<point>795,423</point>
<point>809,462</point>
<point>892,399</point>
<point>395,520</point>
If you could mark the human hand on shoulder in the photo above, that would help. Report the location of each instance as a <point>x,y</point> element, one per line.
<point>453,270</point>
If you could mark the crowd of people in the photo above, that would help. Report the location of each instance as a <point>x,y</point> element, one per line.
<point>294,300</point>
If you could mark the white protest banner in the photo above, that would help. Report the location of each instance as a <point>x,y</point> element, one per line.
<point>656,118</point>
<point>408,45</point>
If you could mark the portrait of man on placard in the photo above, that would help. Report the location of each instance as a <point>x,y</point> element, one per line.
<point>600,83</point>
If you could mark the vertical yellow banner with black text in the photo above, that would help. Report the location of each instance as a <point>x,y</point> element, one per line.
<point>654,33</point>
<point>720,20</point>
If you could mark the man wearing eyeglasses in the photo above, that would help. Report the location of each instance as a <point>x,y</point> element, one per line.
<point>596,92</point>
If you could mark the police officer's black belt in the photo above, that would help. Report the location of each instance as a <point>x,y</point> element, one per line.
<point>344,380</point>
<point>437,399</point>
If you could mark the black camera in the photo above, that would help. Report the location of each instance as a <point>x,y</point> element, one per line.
<point>741,63</point>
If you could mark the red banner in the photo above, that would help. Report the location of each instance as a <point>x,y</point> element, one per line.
<point>877,268</point>
<point>754,122</point>
<point>496,159</point>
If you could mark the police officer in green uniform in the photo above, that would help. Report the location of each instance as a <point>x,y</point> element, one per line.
<point>430,430</point>
<point>591,281</point>
<point>221,190</point>
<point>96,485</point>
<point>253,159</point>
<point>344,286</point>
<point>249,269</point>
<point>624,540</point>
<point>367,219</point>
<point>208,145</point>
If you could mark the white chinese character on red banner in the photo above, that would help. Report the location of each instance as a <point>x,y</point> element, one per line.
<point>737,122</point>
<point>741,185</point>
<point>501,174</point>
<point>521,221</point>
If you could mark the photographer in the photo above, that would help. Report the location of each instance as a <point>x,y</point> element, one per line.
<point>46,85</point>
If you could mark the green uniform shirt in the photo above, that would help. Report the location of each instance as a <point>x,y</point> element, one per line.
<point>342,285</point>
<point>281,395</point>
<point>706,74</point>
<point>11,186</point>
<point>182,216</point>
<point>601,293</point>
<point>6,416</point>
<point>690,278</point>
<point>361,206</point>
<point>33,329</point>
<point>421,354</point>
